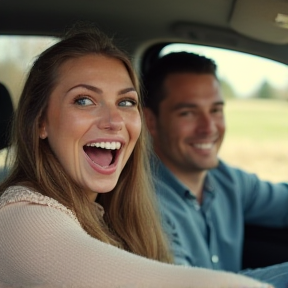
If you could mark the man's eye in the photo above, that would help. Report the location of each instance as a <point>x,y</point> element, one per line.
<point>217,110</point>
<point>127,103</point>
<point>186,113</point>
<point>83,101</point>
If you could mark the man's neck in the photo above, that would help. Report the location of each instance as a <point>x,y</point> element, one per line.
<point>194,180</point>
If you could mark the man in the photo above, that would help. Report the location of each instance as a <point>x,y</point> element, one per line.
<point>205,202</point>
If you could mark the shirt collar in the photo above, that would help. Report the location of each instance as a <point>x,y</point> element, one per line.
<point>169,179</point>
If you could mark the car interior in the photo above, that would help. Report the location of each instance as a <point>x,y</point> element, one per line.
<point>144,29</point>
<point>6,112</point>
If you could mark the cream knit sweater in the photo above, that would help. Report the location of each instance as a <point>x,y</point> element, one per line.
<point>43,245</point>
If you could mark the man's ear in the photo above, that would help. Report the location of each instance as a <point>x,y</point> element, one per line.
<point>151,121</point>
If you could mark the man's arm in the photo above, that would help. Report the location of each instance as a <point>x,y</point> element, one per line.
<point>263,202</point>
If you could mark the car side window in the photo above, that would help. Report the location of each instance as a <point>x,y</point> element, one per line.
<point>255,90</point>
<point>17,54</point>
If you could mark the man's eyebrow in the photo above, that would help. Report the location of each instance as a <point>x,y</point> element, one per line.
<point>219,103</point>
<point>182,105</point>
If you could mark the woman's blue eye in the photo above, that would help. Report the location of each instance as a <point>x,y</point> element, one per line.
<point>127,103</point>
<point>83,101</point>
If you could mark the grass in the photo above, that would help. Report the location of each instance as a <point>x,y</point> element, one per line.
<point>257,137</point>
<point>257,119</point>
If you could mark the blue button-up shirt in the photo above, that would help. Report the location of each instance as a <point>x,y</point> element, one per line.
<point>211,234</point>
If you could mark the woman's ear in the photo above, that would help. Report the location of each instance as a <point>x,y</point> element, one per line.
<point>150,120</point>
<point>42,131</point>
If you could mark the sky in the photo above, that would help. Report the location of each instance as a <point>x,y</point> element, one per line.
<point>245,72</point>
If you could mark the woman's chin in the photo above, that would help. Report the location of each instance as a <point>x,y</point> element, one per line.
<point>105,187</point>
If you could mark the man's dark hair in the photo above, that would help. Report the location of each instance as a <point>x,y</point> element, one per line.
<point>177,62</point>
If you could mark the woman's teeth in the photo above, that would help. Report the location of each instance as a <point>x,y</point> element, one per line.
<point>106,145</point>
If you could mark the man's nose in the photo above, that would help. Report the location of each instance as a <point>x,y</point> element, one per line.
<point>206,123</point>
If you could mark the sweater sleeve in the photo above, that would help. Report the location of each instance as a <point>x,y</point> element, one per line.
<point>43,247</point>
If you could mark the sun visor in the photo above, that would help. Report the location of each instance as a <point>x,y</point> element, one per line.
<point>264,20</point>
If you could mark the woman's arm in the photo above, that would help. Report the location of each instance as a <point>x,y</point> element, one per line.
<point>43,246</point>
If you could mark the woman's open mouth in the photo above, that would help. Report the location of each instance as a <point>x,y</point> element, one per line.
<point>103,154</point>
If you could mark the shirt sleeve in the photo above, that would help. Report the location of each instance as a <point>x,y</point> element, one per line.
<point>43,247</point>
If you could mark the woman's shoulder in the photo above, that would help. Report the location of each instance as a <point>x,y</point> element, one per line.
<point>17,194</point>
<point>14,194</point>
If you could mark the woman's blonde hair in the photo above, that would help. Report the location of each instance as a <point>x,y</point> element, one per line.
<point>131,220</point>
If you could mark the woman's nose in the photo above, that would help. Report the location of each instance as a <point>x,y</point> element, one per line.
<point>110,118</point>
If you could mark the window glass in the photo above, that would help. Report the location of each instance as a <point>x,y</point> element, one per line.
<point>255,90</point>
<point>17,54</point>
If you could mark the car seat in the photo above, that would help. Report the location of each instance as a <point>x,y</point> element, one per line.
<point>6,115</point>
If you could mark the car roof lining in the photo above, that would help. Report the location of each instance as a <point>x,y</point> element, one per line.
<point>240,25</point>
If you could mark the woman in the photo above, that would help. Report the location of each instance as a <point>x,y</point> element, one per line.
<point>79,199</point>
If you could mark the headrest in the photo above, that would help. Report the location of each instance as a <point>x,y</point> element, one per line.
<point>6,114</point>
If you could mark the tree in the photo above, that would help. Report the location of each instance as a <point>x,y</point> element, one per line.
<point>227,90</point>
<point>265,91</point>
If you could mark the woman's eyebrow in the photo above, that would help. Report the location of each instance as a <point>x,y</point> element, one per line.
<point>88,87</point>
<point>100,91</point>
<point>127,90</point>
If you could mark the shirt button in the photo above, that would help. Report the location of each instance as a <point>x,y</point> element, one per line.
<point>215,259</point>
<point>196,206</point>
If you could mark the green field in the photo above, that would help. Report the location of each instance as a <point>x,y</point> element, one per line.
<point>257,137</point>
